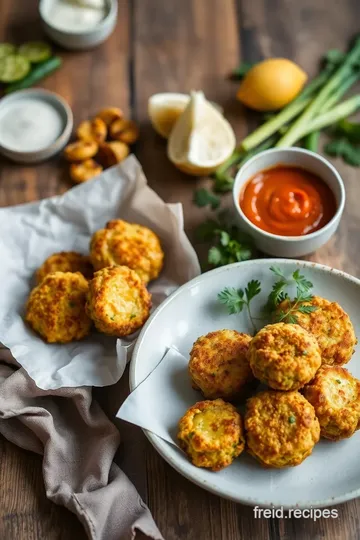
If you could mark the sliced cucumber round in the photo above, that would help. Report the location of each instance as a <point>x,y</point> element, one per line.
<point>13,68</point>
<point>35,51</point>
<point>6,49</point>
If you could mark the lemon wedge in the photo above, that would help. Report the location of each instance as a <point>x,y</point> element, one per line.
<point>164,109</point>
<point>201,139</point>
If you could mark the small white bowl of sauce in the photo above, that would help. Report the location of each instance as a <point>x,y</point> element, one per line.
<point>289,200</point>
<point>78,24</point>
<point>35,124</point>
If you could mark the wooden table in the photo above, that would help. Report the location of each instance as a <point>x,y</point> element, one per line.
<point>172,46</point>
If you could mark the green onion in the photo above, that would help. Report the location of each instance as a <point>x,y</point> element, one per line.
<point>296,131</point>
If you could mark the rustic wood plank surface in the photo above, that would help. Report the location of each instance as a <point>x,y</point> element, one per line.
<point>172,46</point>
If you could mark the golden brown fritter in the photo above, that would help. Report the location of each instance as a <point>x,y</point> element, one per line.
<point>111,153</point>
<point>110,114</point>
<point>92,130</point>
<point>56,307</point>
<point>211,434</point>
<point>118,301</point>
<point>65,261</point>
<point>332,328</point>
<point>128,244</point>
<point>126,131</point>
<point>281,428</point>
<point>335,396</point>
<point>85,170</point>
<point>219,366</point>
<point>284,356</point>
<point>81,150</point>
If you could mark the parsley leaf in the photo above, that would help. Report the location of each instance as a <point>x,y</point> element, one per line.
<point>237,299</point>
<point>252,289</point>
<point>334,56</point>
<point>279,293</point>
<point>292,419</point>
<point>241,71</point>
<point>307,309</point>
<point>277,271</point>
<point>223,183</point>
<point>345,149</point>
<point>203,197</point>
<point>229,244</point>
<point>215,256</point>
<point>233,299</point>
<point>206,231</point>
<point>350,130</point>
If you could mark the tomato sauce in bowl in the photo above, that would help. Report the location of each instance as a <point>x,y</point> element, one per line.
<point>288,201</point>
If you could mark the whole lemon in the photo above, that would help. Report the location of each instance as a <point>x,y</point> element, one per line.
<point>271,84</point>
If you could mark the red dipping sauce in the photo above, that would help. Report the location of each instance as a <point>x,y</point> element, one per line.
<point>288,201</point>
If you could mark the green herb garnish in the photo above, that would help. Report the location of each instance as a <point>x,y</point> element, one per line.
<point>338,381</point>
<point>279,294</point>
<point>238,299</point>
<point>241,71</point>
<point>343,148</point>
<point>227,243</point>
<point>132,316</point>
<point>292,419</point>
<point>204,197</point>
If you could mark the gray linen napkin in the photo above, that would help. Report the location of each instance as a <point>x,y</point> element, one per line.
<point>78,443</point>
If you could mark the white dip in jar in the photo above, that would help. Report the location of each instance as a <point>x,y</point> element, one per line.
<point>75,16</point>
<point>29,125</point>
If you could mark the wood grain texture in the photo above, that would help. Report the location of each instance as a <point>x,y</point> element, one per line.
<point>172,46</point>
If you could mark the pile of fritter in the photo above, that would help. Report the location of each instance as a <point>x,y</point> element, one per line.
<point>107,288</point>
<point>309,394</point>
<point>102,142</point>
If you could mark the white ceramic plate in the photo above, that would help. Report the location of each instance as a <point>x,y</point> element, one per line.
<point>331,474</point>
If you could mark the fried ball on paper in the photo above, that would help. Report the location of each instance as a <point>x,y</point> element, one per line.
<point>56,308</point>
<point>65,261</point>
<point>128,244</point>
<point>118,301</point>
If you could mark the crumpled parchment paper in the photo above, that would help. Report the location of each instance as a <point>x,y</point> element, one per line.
<point>30,233</point>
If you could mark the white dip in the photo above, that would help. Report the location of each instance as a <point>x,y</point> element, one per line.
<point>29,125</point>
<point>69,16</point>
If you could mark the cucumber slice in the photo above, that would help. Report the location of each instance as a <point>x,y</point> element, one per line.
<point>6,49</point>
<point>35,51</point>
<point>13,68</point>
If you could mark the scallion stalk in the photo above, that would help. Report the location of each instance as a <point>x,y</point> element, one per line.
<point>343,110</point>
<point>296,131</point>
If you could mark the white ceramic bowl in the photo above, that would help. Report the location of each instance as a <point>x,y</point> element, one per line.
<point>63,109</point>
<point>331,474</point>
<point>81,39</point>
<point>290,246</point>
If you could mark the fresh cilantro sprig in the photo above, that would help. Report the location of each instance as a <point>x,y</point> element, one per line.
<point>238,299</point>
<point>279,293</point>
<point>240,72</point>
<point>342,147</point>
<point>227,243</point>
<point>203,197</point>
